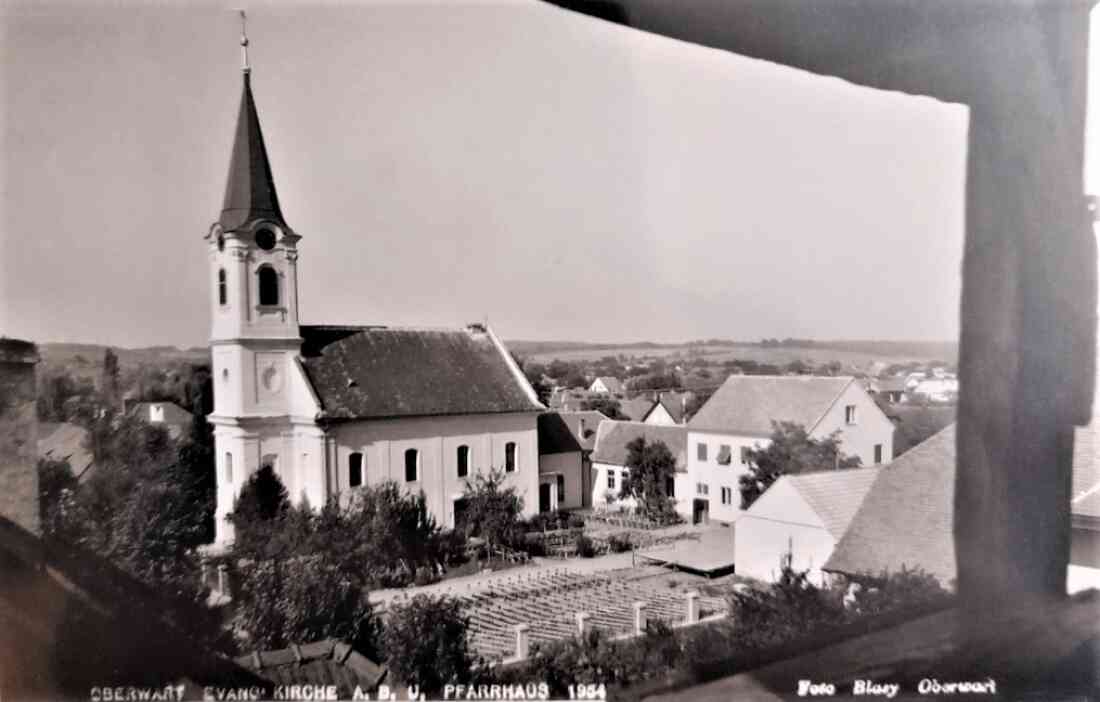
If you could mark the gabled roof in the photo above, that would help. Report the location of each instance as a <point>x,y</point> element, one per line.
<point>612,438</point>
<point>250,188</point>
<point>906,517</point>
<point>637,408</point>
<point>613,384</point>
<point>590,419</point>
<point>555,436</point>
<point>673,404</point>
<point>748,404</point>
<point>380,372</point>
<point>173,413</point>
<point>64,441</point>
<point>327,662</point>
<point>835,495</point>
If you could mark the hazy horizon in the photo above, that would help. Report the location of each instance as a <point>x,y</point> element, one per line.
<point>563,177</point>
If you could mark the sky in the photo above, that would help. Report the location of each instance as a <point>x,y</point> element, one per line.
<point>452,162</point>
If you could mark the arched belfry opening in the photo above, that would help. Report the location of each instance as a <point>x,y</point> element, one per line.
<point>267,279</point>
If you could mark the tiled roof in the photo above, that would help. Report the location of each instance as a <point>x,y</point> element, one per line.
<point>637,409</point>
<point>835,495</point>
<point>64,441</point>
<point>612,438</point>
<point>377,372</point>
<point>322,663</point>
<point>748,404</point>
<point>589,421</point>
<point>555,436</point>
<point>673,402</point>
<point>906,517</point>
<point>173,413</point>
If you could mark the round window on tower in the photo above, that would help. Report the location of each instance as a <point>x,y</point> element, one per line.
<point>265,239</point>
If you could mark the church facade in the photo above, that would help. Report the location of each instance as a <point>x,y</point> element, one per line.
<point>335,408</point>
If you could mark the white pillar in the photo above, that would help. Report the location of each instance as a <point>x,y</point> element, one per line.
<point>692,607</point>
<point>639,618</point>
<point>582,622</point>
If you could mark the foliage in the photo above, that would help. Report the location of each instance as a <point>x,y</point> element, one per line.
<point>110,382</point>
<point>620,543</point>
<point>656,381</point>
<point>650,467</point>
<point>425,643</point>
<point>585,547</point>
<point>63,398</point>
<point>56,491</point>
<point>492,509</point>
<point>258,511</point>
<point>303,599</point>
<point>695,402</point>
<point>917,422</point>
<point>785,611</point>
<point>791,451</point>
<point>888,591</point>
<point>608,406</point>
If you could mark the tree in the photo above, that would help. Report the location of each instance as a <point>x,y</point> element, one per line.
<point>650,468</point>
<point>258,510</point>
<point>790,451</point>
<point>196,458</point>
<point>426,644</point>
<point>695,402</point>
<point>304,599</point>
<point>110,384</point>
<point>492,508</point>
<point>56,489</point>
<point>656,381</point>
<point>607,406</point>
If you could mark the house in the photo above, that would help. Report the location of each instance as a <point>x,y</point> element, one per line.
<point>668,409</point>
<point>610,456</point>
<point>942,388</point>
<point>327,663</point>
<point>801,515</point>
<point>562,477</point>
<point>636,409</point>
<point>740,415</point>
<point>334,408</point>
<point>175,419</point>
<point>606,385</point>
<point>891,389</point>
<point>907,516</point>
<point>65,441</point>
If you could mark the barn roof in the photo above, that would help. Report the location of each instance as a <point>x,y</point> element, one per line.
<point>379,372</point>
<point>748,404</point>
<point>612,438</point>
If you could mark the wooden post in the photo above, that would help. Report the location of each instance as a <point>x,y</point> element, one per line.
<point>582,622</point>
<point>522,641</point>
<point>639,618</point>
<point>692,607</point>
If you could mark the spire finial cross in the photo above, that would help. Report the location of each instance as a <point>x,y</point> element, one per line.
<point>244,43</point>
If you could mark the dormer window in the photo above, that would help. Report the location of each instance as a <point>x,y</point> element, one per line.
<point>265,239</point>
<point>268,279</point>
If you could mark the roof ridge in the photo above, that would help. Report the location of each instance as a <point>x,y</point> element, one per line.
<point>831,404</point>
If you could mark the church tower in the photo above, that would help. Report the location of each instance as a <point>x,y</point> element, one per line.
<point>254,336</point>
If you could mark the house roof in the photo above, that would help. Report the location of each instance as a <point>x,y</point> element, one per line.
<point>613,384</point>
<point>748,404</point>
<point>673,402</point>
<point>835,495</point>
<point>378,372</point>
<point>324,663</point>
<point>637,408</point>
<point>555,436</point>
<point>250,188</point>
<point>894,384</point>
<point>612,438</point>
<point>64,441</point>
<point>591,420</point>
<point>907,515</point>
<point>173,413</point>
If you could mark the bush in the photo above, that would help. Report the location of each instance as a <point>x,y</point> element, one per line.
<point>424,576</point>
<point>585,547</point>
<point>425,643</point>
<point>575,521</point>
<point>619,543</point>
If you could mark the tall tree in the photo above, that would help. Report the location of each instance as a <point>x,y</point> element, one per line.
<point>110,384</point>
<point>651,467</point>
<point>426,643</point>
<point>790,451</point>
<point>492,508</point>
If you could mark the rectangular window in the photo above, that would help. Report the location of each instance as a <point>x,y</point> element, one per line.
<point>670,486</point>
<point>412,465</point>
<point>727,496</point>
<point>355,470</point>
<point>725,455</point>
<point>463,459</point>
<point>510,457</point>
<point>702,488</point>
<point>228,467</point>
<point>701,451</point>
<point>611,479</point>
<point>878,454</point>
<point>745,455</point>
<point>561,489</point>
<point>850,414</point>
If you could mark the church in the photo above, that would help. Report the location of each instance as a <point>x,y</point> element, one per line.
<point>334,408</point>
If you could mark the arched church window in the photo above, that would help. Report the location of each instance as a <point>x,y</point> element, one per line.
<point>223,290</point>
<point>355,469</point>
<point>269,285</point>
<point>412,465</point>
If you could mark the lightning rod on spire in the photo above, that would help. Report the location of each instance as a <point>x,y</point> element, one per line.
<point>244,44</point>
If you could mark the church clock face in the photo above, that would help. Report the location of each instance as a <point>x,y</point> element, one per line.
<point>272,379</point>
<point>265,239</point>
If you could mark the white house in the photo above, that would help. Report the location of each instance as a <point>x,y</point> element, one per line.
<point>606,385</point>
<point>175,419</point>
<point>562,483</point>
<point>334,408</point>
<point>800,515</point>
<point>739,417</point>
<point>668,410</point>
<point>610,455</point>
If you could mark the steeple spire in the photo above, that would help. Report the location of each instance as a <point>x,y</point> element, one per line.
<point>244,44</point>
<point>250,189</point>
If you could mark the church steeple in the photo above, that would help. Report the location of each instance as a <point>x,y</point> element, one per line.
<point>250,190</point>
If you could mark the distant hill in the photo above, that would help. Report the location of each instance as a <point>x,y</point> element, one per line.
<point>86,359</point>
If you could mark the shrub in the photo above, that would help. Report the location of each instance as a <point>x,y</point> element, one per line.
<point>425,643</point>
<point>424,576</point>
<point>575,521</point>
<point>585,547</point>
<point>619,543</point>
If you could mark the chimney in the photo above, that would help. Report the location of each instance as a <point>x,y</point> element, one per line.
<point>19,434</point>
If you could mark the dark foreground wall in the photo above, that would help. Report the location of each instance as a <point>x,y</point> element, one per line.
<point>18,434</point>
